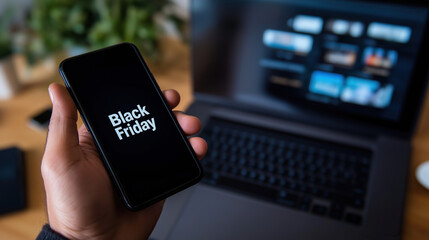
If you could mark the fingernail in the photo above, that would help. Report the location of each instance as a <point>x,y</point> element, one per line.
<point>51,95</point>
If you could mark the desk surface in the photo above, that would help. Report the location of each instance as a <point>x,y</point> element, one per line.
<point>14,131</point>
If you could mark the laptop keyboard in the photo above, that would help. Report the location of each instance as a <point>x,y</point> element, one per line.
<point>319,177</point>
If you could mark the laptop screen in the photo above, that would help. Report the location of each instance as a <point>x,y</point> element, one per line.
<point>355,59</point>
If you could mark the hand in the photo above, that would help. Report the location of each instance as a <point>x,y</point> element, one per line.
<point>80,198</point>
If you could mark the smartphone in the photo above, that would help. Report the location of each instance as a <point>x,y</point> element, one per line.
<point>144,150</point>
<point>41,119</point>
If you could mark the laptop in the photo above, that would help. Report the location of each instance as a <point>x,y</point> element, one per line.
<point>308,108</point>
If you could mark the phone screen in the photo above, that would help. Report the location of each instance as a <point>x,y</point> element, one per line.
<point>147,154</point>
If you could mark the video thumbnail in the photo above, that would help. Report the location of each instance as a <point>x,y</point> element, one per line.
<point>379,61</point>
<point>340,54</point>
<point>328,84</point>
<point>306,24</point>
<point>366,92</point>
<point>389,32</point>
<point>344,27</point>
<point>300,44</point>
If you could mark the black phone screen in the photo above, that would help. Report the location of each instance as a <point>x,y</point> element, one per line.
<point>144,149</point>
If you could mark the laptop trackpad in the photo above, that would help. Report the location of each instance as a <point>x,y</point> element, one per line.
<point>216,214</point>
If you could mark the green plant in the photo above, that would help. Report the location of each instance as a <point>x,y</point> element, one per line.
<point>127,20</point>
<point>5,48</point>
<point>64,24</point>
<point>58,25</point>
<point>5,34</point>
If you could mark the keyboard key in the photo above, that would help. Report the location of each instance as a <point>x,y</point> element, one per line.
<point>312,169</point>
<point>252,163</point>
<point>315,191</point>
<point>304,204</point>
<point>225,168</point>
<point>358,203</point>
<point>261,165</point>
<point>262,177</point>
<point>282,182</point>
<point>233,159</point>
<point>244,172</point>
<point>303,188</point>
<point>247,187</point>
<point>288,199</point>
<point>292,185</point>
<point>242,161</point>
<point>291,173</point>
<point>358,191</point>
<point>325,194</point>
<point>280,170</point>
<point>253,153</point>
<point>272,158</point>
<point>234,170</point>
<point>336,210</point>
<point>271,168</point>
<point>272,180</point>
<point>301,176</point>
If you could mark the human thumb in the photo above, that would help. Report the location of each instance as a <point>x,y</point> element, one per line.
<point>62,134</point>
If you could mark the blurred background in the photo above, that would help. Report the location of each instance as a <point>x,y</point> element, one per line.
<point>35,35</point>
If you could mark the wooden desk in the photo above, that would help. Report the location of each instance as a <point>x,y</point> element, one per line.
<point>14,130</point>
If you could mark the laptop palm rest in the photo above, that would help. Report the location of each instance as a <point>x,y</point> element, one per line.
<point>212,213</point>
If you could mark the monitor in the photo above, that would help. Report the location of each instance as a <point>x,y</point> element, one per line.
<point>362,60</point>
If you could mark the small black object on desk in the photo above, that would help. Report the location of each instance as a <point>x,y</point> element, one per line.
<point>12,184</point>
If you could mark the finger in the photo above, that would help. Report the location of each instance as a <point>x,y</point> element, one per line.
<point>199,145</point>
<point>190,125</point>
<point>85,137</point>
<point>83,130</point>
<point>62,134</point>
<point>173,97</point>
